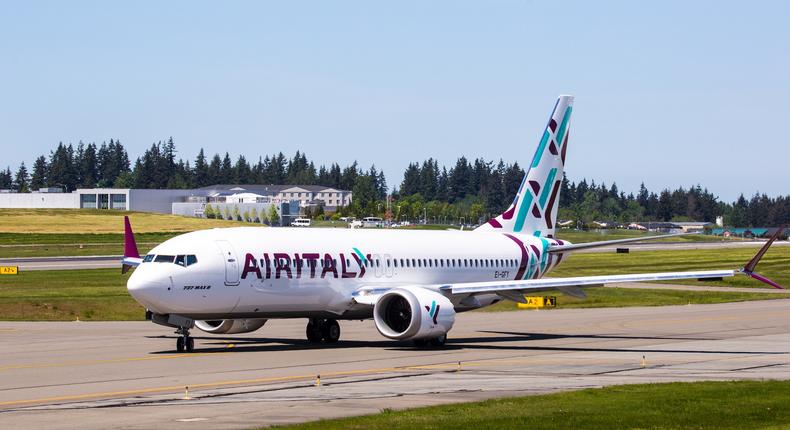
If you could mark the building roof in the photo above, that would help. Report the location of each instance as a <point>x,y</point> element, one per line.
<point>271,189</point>
<point>692,223</point>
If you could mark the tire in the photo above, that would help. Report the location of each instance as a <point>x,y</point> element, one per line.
<point>330,331</point>
<point>439,341</point>
<point>180,344</point>
<point>313,332</point>
<point>420,343</point>
<point>190,344</point>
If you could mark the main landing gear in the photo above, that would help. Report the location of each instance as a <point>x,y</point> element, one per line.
<point>184,341</point>
<point>322,329</point>
<point>436,341</point>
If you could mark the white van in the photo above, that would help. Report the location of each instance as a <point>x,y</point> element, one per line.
<point>301,222</point>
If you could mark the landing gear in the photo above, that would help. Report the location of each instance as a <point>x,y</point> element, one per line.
<point>322,329</point>
<point>184,341</point>
<point>436,341</point>
<point>314,331</point>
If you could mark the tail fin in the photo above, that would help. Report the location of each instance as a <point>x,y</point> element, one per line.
<point>534,210</point>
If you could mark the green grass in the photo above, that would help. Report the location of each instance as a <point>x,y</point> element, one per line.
<point>19,245</point>
<point>64,295</point>
<point>600,297</point>
<point>100,221</point>
<point>698,405</point>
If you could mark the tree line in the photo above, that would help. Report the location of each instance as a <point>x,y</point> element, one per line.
<point>468,191</point>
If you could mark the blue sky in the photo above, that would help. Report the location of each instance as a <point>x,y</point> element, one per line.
<point>669,93</point>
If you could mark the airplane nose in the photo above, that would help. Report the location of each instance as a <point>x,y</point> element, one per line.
<point>145,290</point>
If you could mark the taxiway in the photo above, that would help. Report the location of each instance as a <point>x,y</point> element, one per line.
<point>125,374</point>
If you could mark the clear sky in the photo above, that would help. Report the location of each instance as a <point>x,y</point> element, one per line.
<point>669,93</point>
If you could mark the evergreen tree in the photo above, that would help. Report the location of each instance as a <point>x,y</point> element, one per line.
<point>22,180</point>
<point>215,171</point>
<point>201,172</point>
<point>39,177</point>
<point>6,180</point>
<point>88,167</point>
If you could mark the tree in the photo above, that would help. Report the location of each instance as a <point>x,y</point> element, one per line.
<point>364,193</point>
<point>201,173</point>
<point>209,211</point>
<point>22,180</point>
<point>273,215</point>
<point>88,166</point>
<point>6,180</point>
<point>39,178</point>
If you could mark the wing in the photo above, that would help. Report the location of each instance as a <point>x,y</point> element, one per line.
<point>587,245</point>
<point>514,290</point>
<point>572,286</point>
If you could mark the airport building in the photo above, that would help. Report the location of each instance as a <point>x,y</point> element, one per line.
<point>290,200</point>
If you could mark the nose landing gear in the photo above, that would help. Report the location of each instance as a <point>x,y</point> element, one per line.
<point>184,341</point>
<point>322,329</point>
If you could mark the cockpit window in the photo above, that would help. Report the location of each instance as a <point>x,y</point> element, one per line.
<point>148,258</point>
<point>191,259</point>
<point>164,258</point>
<point>181,260</point>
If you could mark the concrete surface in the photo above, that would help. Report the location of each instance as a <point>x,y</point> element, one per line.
<point>125,375</point>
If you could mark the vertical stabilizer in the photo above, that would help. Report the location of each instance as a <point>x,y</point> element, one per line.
<point>534,210</point>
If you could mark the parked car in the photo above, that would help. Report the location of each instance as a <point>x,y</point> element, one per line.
<point>301,222</point>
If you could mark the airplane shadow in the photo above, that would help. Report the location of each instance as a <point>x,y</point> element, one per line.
<point>508,341</point>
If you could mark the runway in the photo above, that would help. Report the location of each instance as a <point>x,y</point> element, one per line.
<point>125,375</point>
<point>113,261</point>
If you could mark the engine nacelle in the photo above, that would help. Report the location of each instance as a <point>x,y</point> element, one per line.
<point>414,313</point>
<point>230,326</point>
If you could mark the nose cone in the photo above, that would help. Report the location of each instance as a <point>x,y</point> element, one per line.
<point>147,290</point>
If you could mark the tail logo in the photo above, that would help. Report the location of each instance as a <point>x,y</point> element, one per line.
<point>433,311</point>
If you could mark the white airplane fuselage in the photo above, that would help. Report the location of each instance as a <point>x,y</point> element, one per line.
<point>259,272</point>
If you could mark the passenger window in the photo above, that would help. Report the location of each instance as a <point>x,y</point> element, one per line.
<point>164,258</point>
<point>148,258</point>
<point>181,260</point>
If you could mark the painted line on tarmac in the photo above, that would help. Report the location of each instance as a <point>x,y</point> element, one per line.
<point>105,361</point>
<point>179,388</point>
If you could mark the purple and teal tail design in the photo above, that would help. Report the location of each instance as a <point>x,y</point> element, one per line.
<point>534,210</point>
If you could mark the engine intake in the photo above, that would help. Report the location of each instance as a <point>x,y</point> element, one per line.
<point>230,326</point>
<point>413,313</point>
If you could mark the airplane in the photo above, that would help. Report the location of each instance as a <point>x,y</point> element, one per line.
<point>411,283</point>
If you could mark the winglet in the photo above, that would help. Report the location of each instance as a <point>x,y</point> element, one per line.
<point>129,244</point>
<point>748,269</point>
<point>131,257</point>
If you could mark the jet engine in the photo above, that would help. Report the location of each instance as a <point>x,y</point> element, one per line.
<point>414,313</point>
<point>230,326</point>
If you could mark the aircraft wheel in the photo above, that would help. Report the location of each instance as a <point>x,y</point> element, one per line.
<point>439,341</point>
<point>313,331</point>
<point>189,344</point>
<point>420,343</point>
<point>180,344</point>
<point>330,331</point>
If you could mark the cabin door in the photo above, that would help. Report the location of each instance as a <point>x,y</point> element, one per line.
<point>231,263</point>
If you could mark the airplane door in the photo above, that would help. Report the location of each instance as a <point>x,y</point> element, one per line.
<point>231,263</point>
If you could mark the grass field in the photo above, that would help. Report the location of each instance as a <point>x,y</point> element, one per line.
<point>86,221</point>
<point>698,405</point>
<point>64,295</point>
<point>600,297</point>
